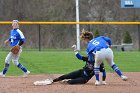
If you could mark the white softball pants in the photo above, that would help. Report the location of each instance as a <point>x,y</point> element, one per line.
<point>13,57</point>
<point>104,54</point>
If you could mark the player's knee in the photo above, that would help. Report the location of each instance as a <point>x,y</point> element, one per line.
<point>111,64</point>
<point>15,62</point>
<point>7,61</point>
<point>96,65</point>
<point>6,65</point>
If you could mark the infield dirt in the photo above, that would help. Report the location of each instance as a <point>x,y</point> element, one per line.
<point>19,84</point>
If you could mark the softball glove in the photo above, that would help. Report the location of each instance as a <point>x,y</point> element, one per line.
<point>15,49</point>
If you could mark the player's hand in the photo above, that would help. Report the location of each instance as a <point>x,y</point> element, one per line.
<point>74,48</point>
<point>110,46</point>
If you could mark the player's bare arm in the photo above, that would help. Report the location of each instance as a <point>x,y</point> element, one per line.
<point>6,41</point>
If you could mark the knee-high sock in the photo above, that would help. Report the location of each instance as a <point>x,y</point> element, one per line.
<point>6,68</point>
<point>116,69</point>
<point>22,67</point>
<point>97,70</point>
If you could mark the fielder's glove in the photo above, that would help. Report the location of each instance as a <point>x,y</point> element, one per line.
<point>15,49</point>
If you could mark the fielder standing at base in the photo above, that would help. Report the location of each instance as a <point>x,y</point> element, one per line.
<point>16,40</point>
<point>101,48</point>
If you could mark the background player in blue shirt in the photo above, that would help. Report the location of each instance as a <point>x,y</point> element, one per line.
<point>16,39</point>
<point>101,48</point>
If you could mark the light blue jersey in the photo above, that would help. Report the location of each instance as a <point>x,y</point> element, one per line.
<point>15,37</point>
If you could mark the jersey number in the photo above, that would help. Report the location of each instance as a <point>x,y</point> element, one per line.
<point>95,43</point>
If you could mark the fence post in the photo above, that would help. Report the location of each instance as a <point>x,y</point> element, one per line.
<point>39,39</point>
<point>139,36</point>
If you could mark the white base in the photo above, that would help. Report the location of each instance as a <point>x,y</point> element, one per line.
<point>43,82</point>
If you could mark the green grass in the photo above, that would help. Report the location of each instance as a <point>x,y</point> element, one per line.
<point>65,61</point>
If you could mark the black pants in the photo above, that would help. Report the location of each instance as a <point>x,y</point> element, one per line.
<point>76,77</point>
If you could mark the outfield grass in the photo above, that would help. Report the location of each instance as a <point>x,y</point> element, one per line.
<point>61,62</point>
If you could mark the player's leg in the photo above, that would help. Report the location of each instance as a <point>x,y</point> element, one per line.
<point>104,75</point>
<point>7,64</point>
<point>97,71</point>
<point>102,69</point>
<point>99,56</point>
<point>110,61</point>
<point>71,75</point>
<point>19,65</point>
<point>97,68</point>
<point>79,80</point>
<point>84,76</point>
<point>15,59</point>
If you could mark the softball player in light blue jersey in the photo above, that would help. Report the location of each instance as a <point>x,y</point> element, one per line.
<point>16,38</point>
<point>101,48</point>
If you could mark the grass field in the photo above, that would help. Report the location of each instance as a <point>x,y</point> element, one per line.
<point>61,62</point>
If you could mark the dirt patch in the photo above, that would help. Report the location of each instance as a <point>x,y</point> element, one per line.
<point>12,84</point>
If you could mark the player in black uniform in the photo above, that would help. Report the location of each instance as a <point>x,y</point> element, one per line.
<point>83,75</point>
<point>80,76</point>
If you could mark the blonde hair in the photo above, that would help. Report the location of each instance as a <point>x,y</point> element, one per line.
<point>15,23</point>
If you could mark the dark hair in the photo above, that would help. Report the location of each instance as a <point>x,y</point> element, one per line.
<point>86,35</point>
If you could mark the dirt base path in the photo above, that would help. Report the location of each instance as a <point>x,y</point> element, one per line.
<point>12,84</point>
